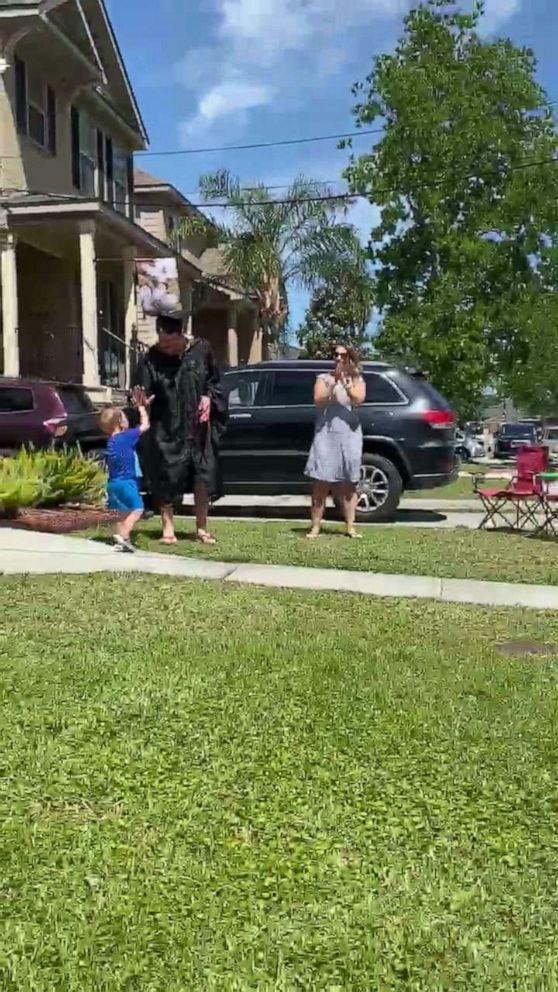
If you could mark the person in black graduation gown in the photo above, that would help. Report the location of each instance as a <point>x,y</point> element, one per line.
<point>180,453</point>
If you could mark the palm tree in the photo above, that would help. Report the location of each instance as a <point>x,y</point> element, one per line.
<point>269,243</point>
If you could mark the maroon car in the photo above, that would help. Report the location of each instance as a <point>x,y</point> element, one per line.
<point>39,414</point>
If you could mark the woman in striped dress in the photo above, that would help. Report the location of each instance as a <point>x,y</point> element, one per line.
<point>335,459</point>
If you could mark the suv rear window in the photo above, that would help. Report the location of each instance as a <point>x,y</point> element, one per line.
<point>381,390</point>
<point>15,399</point>
<point>75,400</point>
<point>433,395</point>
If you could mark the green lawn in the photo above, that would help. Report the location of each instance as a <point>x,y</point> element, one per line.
<point>462,488</point>
<point>459,553</point>
<point>216,789</point>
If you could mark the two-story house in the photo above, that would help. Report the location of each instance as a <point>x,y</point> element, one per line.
<point>69,126</point>
<point>222,312</point>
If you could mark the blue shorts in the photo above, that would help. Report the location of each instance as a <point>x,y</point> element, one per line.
<point>124,495</point>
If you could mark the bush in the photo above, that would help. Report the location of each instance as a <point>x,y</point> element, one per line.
<point>70,477</point>
<point>20,484</point>
<point>49,478</point>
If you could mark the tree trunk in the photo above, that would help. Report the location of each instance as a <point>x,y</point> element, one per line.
<point>271,327</point>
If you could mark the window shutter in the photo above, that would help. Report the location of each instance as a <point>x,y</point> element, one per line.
<point>21,96</point>
<point>110,171</point>
<point>130,171</point>
<point>51,119</point>
<point>101,190</point>
<point>76,169</point>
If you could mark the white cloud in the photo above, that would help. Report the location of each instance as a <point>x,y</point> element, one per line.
<point>229,96</point>
<point>499,11</point>
<point>263,49</point>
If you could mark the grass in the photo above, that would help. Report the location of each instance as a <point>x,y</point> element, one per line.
<point>218,789</point>
<point>462,488</point>
<point>461,554</point>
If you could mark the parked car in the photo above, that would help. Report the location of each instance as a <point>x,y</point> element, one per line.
<point>550,440</point>
<point>409,433</point>
<point>40,414</point>
<point>467,447</point>
<point>510,437</point>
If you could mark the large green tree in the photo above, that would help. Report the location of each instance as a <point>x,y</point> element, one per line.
<point>467,183</point>
<point>340,308</point>
<point>269,243</point>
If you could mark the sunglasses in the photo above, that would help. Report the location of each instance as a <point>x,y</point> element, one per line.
<point>340,354</point>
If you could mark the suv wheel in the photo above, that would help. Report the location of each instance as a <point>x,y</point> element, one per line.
<point>379,489</point>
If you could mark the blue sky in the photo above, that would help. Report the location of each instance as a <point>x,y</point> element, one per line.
<point>217,72</point>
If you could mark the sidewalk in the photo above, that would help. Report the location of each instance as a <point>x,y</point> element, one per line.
<point>23,553</point>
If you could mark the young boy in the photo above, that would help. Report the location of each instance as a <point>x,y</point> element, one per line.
<point>122,463</point>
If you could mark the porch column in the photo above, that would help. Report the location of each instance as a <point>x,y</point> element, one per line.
<point>256,344</point>
<point>187,309</point>
<point>89,306</point>
<point>10,316</point>
<point>232,336</point>
<point>130,309</point>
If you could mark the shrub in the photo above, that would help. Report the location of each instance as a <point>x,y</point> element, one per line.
<point>20,484</point>
<point>70,477</point>
<point>49,478</point>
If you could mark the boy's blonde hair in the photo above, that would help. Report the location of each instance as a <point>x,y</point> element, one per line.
<point>110,419</point>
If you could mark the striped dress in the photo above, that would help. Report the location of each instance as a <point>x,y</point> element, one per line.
<point>336,452</point>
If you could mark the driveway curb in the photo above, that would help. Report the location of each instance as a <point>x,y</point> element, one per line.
<point>50,555</point>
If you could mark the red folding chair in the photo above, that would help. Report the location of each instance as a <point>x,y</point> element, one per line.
<point>517,504</point>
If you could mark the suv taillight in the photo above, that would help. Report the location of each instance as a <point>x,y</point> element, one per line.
<point>56,426</point>
<point>443,419</point>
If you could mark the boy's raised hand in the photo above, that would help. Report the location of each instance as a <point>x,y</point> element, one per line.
<point>140,398</point>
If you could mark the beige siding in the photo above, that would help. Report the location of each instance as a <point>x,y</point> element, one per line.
<point>24,164</point>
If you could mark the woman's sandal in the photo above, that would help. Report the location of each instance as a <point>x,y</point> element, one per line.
<point>312,535</point>
<point>353,535</point>
<point>205,538</point>
<point>169,541</point>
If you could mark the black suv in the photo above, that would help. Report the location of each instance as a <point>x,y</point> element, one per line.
<point>409,433</point>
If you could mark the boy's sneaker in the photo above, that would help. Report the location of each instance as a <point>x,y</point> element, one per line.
<point>123,545</point>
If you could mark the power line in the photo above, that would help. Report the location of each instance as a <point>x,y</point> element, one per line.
<point>260,144</point>
<point>287,141</point>
<point>329,197</point>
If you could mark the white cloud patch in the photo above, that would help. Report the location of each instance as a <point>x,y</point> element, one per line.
<point>499,11</point>
<point>263,49</point>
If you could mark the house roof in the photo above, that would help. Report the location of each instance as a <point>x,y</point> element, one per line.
<point>143,178</point>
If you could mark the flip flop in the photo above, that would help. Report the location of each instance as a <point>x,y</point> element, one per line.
<point>204,538</point>
<point>312,535</point>
<point>168,541</point>
<point>353,535</point>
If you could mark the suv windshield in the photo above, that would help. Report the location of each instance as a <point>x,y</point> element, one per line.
<point>518,430</point>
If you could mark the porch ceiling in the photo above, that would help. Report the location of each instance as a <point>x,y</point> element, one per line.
<point>52,224</point>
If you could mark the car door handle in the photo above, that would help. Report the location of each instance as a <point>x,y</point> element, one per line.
<point>240,416</point>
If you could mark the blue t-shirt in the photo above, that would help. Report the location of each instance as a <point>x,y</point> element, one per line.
<point>122,461</point>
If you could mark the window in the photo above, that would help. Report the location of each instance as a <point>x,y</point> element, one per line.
<point>381,391</point>
<point>14,399</point>
<point>84,153</point>
<point>246,390</point>
<point>292,388</point>
<point>35,108</point>
<point>75,400</point>
<point>120,168</point>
